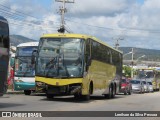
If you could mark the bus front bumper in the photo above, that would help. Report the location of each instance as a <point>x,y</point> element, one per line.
<point>24,86</point>
<point>64,90</point>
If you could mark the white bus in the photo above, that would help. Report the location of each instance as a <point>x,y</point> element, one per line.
<point>24,71</point>
<point>4,54</point>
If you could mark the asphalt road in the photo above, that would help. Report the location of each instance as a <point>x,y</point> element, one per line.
<point>38,102</point>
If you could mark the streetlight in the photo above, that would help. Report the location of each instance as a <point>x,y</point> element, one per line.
<point>127,53</point>
<point>140,57</point>
<point>131,52</point>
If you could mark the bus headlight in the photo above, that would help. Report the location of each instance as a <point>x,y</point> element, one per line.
<point>18,80</point>
<point>40,84</point>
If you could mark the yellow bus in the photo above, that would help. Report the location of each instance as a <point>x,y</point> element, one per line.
<point>76,64</point>
<point>156,80</point>
<point>150,75</point>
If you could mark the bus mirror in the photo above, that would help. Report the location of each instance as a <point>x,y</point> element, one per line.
<point>34,54</point>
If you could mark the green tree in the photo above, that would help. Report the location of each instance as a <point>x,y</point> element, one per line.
<point>127,71</point>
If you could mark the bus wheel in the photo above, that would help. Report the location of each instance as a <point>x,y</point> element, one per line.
<point>77,96</point>
<point>108,96</point>
<point>87,97</point>
<point>49,96</point>
<point>113,92</point>
<point>27,92</point>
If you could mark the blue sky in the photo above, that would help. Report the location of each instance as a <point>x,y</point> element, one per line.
<point>136,21</point>
<point>140,1</point>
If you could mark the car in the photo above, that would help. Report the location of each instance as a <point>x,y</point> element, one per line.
<point>137,86</point>
<point>146,85</point>
<point>150,86</point>
<point>126,86</point>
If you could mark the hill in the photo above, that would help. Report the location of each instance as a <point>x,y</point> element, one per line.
<point>17,39</point>
<point>150,54</point>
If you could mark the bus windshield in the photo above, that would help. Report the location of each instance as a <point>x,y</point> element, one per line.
<point>25,51</point>
<point>145,74</point>
<point>60,57</point>
<point>23,66</point>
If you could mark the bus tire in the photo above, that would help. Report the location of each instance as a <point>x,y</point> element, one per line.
<point>49,96</point>
<point>27,92</point>
<point>113,91</point>
<point>87,97</point>
<point>109,95</point>
<point>77,96</point>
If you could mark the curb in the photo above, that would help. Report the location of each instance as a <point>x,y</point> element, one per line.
<point>14,92</point>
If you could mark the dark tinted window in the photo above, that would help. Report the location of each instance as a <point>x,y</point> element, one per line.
<point>4,35</point>
<point>101,52</point>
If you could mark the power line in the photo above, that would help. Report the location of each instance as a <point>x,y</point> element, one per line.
<point>18,13</point>
<point>119,29</point>
<point>68,29</point>
<point>9,15</point>
<point>37,27</point>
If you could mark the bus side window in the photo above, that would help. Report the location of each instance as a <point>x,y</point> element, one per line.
<point>1,41</point>
<point>87,52</point>
<point>6,42</point>
<point>88,47</point>
<point>110,57</point>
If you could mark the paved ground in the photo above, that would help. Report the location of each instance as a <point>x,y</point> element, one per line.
<point>38,102</point>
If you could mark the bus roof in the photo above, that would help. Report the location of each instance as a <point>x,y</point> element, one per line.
<point>70,35</point>
<point>28,44</point>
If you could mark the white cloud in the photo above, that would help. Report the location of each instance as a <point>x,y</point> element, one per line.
<point>137,23</point>
<point>87,8</point>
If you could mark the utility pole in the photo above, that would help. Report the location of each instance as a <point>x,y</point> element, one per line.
<point>63,10</point>
<point>117,42</point>
<point>132,65</point>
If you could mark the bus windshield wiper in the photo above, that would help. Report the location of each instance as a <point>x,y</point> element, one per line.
<point>52,64</point>
<point>51,61</point>
<point>55,63</point>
